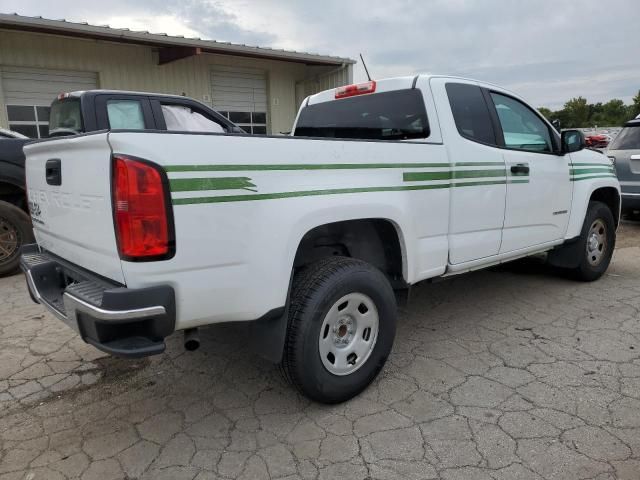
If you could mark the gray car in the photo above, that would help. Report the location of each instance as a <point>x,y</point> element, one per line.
<point>624,150</point>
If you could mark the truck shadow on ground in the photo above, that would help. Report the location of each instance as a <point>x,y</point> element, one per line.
<point>225,359</point>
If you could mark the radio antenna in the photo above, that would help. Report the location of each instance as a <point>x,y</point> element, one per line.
<point>365,67</point>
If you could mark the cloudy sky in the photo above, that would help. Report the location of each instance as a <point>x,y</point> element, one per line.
<point>546,50</point>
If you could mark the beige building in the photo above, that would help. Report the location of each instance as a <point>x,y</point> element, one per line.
<point>260,89</point>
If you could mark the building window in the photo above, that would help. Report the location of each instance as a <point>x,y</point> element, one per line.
<point>29,120</point>
<point>251,122</point>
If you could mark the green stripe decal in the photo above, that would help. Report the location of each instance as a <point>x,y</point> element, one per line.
<point>319,166</point>
<point>334,191</point>
<point>580,171</point>
<point>199,184</point>
<point>591,165</point>
<point>590,177</point>
<point>478,164</point>
<point>307,193</point>
<point>422,176</point>
<point>298,166</point>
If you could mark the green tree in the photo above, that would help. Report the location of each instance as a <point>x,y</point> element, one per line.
<point>546,113</point>
<point>615,112</point>
<point>577,112</point>
<point>635,106</point>
<point>596,114</point>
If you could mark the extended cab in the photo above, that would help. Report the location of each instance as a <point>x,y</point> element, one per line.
<point>307,238</point>
<point>83,112</point>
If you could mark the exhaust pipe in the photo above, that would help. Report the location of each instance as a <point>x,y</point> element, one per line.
<point>191,339</point>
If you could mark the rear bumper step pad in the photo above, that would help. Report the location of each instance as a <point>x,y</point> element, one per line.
<point>118,320</point>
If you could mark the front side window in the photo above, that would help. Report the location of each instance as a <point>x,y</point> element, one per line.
<point>125,114</point>
<point>180,118</point>
<point>29,120</point>
<point>470,112</point>
<point>627,139</point>
<point>522,128</point>
<point>396,115</point>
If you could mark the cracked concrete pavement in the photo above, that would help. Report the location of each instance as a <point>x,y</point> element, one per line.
<point>507,374</point>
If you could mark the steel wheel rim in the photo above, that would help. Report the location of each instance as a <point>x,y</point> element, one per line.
<point>9,239</point>
<point>596,242</point>
<point>348,334</point>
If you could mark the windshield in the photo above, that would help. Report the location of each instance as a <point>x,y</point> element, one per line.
<point>396,115</point>
<point>65,117</point>
<point>627,139</point>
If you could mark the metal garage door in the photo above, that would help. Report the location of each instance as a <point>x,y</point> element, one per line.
<point>241,95</point>
<point>28,92</point>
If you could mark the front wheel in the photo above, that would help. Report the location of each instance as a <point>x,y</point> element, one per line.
<point>597,241</point>
<point>342,322</point>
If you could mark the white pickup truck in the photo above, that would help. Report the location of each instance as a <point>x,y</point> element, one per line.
<point>308,237</point>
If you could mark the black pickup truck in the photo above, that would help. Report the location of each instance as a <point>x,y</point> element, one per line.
<point>80,112</point>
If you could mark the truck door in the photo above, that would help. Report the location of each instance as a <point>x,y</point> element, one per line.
<point>478,175</point>
<point>539,191</point>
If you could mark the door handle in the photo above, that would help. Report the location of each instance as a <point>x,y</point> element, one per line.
<point>520,169</point>
<point>53,171</point>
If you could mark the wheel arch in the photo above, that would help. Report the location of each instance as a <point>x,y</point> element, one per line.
<point>378,241</point>
<point>325,226</point>
<point>569,254</point>
<point>14,193</point>
<point>610,196</point>
<point>603,190</point>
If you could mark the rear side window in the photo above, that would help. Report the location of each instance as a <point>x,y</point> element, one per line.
<point>125,114</point>
<point>471,113</point>
<point>627,139</point>
<point>397,115</point>
<point>181,118</point>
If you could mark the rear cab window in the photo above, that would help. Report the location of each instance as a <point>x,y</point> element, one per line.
<point>65,117</point>
<point>394,115</point>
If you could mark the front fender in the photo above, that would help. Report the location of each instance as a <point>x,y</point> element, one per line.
<point>583,192</point>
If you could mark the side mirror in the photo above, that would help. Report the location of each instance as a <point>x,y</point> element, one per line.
<point>572,141</point>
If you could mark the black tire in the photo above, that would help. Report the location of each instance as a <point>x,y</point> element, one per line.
<point>15,231</point>
<point>315,291</point>
<point>587,270</point>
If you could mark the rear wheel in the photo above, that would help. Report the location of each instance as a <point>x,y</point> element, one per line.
<point>597,241</point>
<point>15,231</point>
<point>342,319</point>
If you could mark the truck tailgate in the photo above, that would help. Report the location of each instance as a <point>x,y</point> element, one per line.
<point>69,188</point>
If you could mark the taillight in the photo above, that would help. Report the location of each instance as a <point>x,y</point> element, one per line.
<point>143,222</point>
<point>357,89</point>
